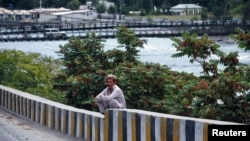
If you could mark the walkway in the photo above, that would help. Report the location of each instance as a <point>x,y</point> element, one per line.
<point>14,128</point>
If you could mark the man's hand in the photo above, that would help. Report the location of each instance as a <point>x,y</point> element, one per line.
<point>98,98</point>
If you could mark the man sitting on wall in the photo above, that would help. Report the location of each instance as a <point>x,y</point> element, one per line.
<point>111,97</point>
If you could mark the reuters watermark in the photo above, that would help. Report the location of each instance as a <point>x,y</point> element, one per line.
<point>239,132</point>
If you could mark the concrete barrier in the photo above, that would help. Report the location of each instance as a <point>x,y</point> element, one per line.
<point>79,123</point>
<point>118,124</point>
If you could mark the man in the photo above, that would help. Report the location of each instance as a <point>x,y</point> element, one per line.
<point>111,97</point>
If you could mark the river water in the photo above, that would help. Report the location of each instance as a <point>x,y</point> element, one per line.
<point>157,50</point>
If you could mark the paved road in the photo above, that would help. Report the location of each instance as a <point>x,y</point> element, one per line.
<point>14,128</point>
<point>5,137</point>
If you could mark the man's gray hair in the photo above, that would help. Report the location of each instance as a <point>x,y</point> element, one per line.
<point>111,76</point>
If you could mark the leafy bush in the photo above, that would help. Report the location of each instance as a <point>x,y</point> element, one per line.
<point>219,94</point>
<point>30,72</point>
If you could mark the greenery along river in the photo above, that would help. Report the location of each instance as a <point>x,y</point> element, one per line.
<point>149,86</point>
<point>157,50</point>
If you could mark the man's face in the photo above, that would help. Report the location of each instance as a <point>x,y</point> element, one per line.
<point>110,83</point>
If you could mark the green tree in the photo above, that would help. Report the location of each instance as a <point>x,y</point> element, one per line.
<point>243,39</point>
<point>147,5</point>
<point>29,72</point>
<point>127,39</point>
<point>218,92</point>
<point>87,64</point>
<point>101,8</point>
<point>112,10</point>
<point>74,4</point>
<point>82,78</point>
<point>145,86</point>
<point>204,14</point>
<point>245,11</point>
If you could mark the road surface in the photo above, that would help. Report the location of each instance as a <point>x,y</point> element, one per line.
<point>15,128</point>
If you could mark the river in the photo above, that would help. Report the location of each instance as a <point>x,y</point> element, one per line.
<point>157,50</point>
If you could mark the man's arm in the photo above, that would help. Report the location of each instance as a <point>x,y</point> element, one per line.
<point>115,93</point>
<point>99,97</point>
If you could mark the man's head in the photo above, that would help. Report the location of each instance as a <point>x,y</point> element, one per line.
<point>111,80</point>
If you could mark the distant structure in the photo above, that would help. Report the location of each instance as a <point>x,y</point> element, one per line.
<point>41,14</point>
<point>41,3</point>
<point>46,14</point>
<point>89,5</point>
<point>75,16</point>
<point>186,9</point>
<point>14,15</point>
<point>107,15</point>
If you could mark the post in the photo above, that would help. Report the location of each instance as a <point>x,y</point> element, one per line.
<point>40,2</point>
<point>120,9</point>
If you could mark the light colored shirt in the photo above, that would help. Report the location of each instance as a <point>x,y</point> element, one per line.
<point>105,96</point>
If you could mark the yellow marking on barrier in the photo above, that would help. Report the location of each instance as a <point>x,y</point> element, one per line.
<point>148,127</point>
<point>32,111</point>
<point>57,118</point>
<point>24,107</point>
<point>28,108</point>
<point>13,102</point>
<point>163,129</point>
<point>88,127</point>
<point>120,125</point>
<point>5,99</point>
<point>48,114</point>
<point>133,127</point>
<point>21,105</point>
<point>97,126</point>
<point>9,101</point>
<point>63,125</point>
<point>17,106</point>
<point>205,131</point>
<point>176,130</point>
<point>72,124</point>
<point>52,117</point>
<point>80,125</point>
<point>106,125</point>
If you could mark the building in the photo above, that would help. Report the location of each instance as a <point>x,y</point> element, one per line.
<point>75,16</point>
<point>34,15</point>
<point>14,15</point>
<point>45,14</point>
<point>186,9</point>
<point>107,15</point>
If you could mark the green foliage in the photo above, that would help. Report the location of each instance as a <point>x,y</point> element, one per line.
<point>153,87</point>
<point>112,10</point>
<point>218,92</point>
<point>242,38</point>
<point>145,85</point>
<point>204,14</point>
<point>85,64</point>
<point>148,86</point>
<point>127,38</point>
<point>101,8</point>
<point>198,50</point>
<point>245,11</point>
<point>29,72</point>
<point>73,4</point>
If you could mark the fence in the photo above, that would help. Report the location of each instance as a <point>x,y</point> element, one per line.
<point>115,125</point>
